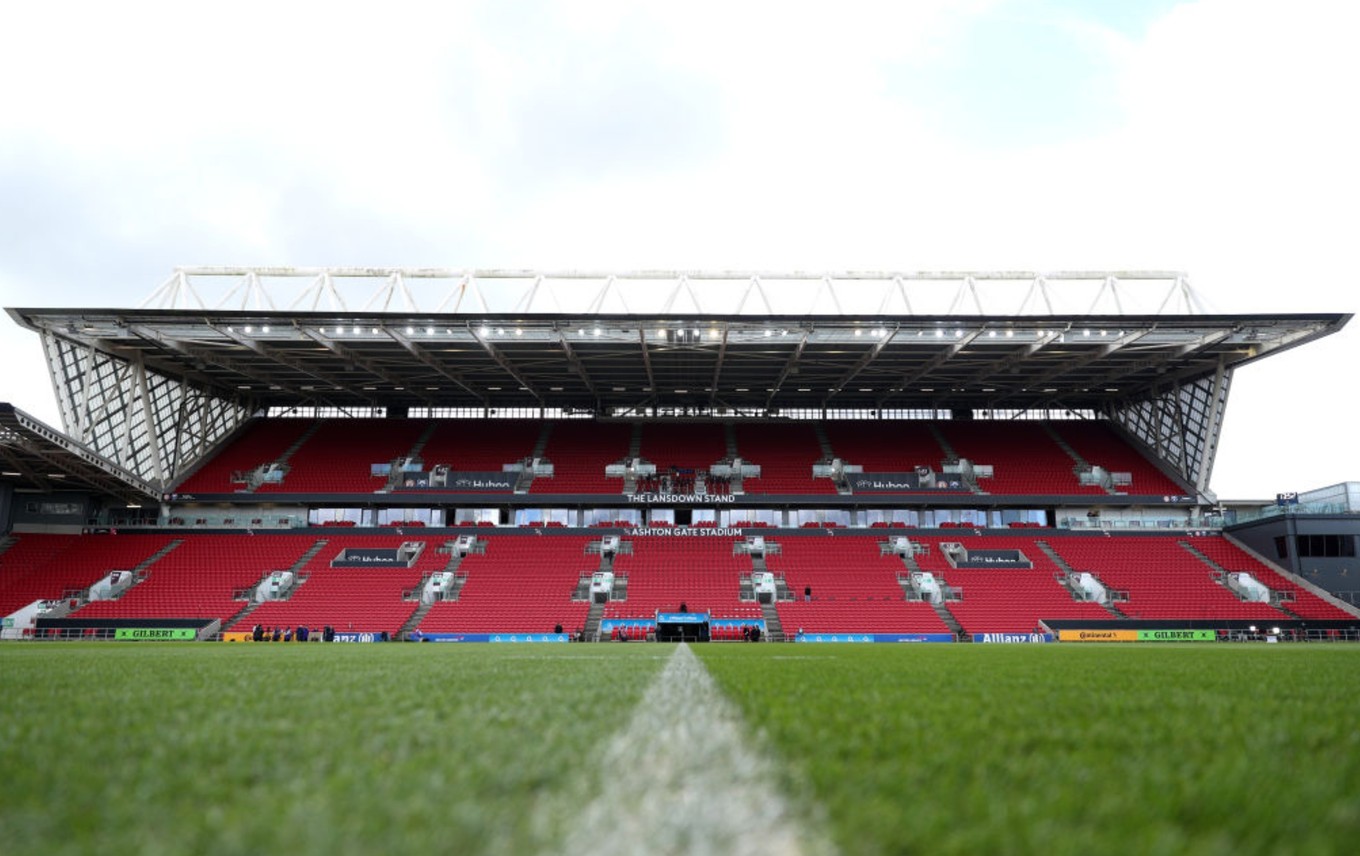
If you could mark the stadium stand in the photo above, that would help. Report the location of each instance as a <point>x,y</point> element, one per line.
<point>519,585</point>
<point>338,458</point>
<point>1025,458</point>
<point>785,453</point>
<point>1304,603</point>
<point>1006,600</point>
<point>663,573</point>
<point>263,441</point>
<point>1163,579</point>
<point>896,446</point>
<point>679,451</point>
<point>1100,446</point>
<point>45,567</point>
<point>854,588</point>
<point>579,451</point>
<point>361,600</point>
<point>199,576</point>
<point>903,394</point>
<point>467,445</point>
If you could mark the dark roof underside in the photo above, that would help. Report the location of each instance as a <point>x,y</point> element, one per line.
<point>609,363</point>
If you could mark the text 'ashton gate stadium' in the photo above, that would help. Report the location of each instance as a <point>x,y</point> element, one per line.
<point>446,455</point>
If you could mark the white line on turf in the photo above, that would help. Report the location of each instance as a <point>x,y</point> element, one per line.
<point>682,778</point>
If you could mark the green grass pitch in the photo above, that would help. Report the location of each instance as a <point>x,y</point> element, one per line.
<point>192,748</point>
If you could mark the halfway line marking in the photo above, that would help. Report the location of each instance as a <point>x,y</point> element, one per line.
<point>681,778</point>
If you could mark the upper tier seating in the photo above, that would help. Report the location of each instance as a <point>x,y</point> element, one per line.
<point>579,451</point>
<point>689,445</point>
<point>339,457</point>
<point>665,572</point>
<point>197,578</point>
<point>359,600</point>
<point>892,446</point>
<point>1102,447</point>
<point>263,441</point>
<point>520,585</point>
<point>854,588</point>
<point>1026,459</point>
<point>785,453</point>
<point>480,445</point>
<point>44,567</point>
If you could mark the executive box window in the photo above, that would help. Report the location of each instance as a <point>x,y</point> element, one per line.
<point>1281,547</point>
<point>1326,546</point>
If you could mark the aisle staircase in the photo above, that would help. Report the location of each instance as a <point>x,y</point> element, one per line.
<point>774,630</point>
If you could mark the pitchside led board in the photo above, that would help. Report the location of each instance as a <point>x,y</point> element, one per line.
<point>1137,636</point>
<point>156,634</point>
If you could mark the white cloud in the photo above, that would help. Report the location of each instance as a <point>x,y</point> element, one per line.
<point>706,134</point>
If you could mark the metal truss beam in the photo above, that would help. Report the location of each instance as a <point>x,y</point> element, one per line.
<point>577,365</point>
<point>863,363</point>
<point>428,359</point>
<point>931,365</point>
<point>790,365</point>
<point>359,361</point>
<point>505,364</point>
<point>861,293</point>
<point>718,367</point>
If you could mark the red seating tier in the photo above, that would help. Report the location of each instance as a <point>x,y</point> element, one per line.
<point>579,451</point>
<point>1007,600</point>
<point>480,445</point>
<point>664,572</point>
<point>693,445</point>
<point>361,600</point>
<point>197,578</point>
<point>854,588</point>
<point>1101,446</point>
<point>886,447</point>
<point>44,567</point>
<point>785,453</point>
<point>1234,558</point>
<point>1026,460</point>
<point>261,442</point>
<point>1163,579</point>
<point>338,458</point>
<point>519,585</point>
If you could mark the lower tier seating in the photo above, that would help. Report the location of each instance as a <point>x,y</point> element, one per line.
<point>526,580</point>
<point>519,585</point>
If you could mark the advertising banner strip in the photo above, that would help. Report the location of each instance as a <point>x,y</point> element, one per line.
<point>495,637</point>
<point>1012,638</point>
<point>682,618</point>
<point>1177,636</point>
<point>875,637</point>
<point>1097,635</point>
<point>156,634</point>
<point>1137,636</point>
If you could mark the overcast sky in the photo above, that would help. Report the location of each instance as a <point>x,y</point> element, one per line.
<point>1218,137</point>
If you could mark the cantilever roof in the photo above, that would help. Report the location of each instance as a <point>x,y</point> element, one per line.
<point>36,457</point>
<point>606,361</point>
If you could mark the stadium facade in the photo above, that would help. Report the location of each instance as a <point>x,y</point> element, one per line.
<point>531,454</point>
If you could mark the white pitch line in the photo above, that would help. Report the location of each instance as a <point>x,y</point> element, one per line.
<point>682,778</point>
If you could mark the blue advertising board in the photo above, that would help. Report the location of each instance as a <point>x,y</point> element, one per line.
<point>493,637</point>
<point>874,637</point>
<point>682,618</point>
<point>356,637</point>
<point>1012,638</point>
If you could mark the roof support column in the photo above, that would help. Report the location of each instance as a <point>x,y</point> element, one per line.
<point>143,391</point>
<point>1213,425</point>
